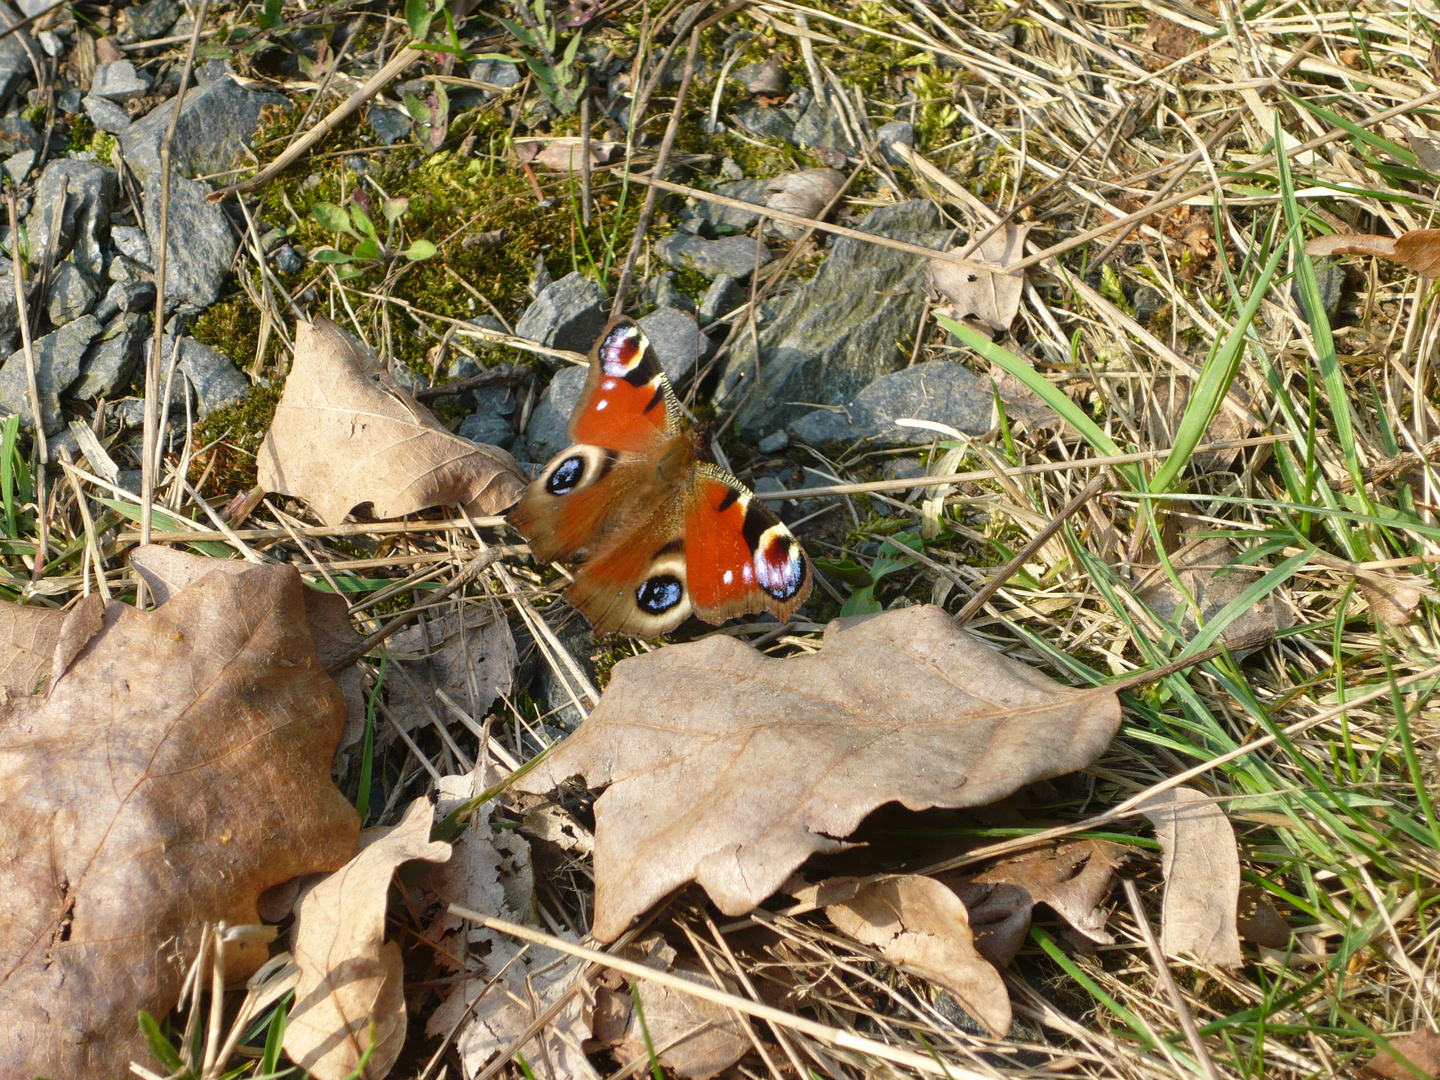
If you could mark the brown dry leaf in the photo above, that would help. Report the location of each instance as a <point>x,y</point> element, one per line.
<point>1420,1048</point>
<point>340,440</point>
<point>1418,249</point>
<point>1258,921</point>
<point>805,193</point>
<point>178,769</point>
<point>564,154</point>
<point>1170,40</point>
<point>167,571</point>
<point>28,636</point>
<point>1165,409</point>
<point>1390,598</point>
<point>1072,879</point>
<point>964,292</point>
<point>1202,876</point>
<point>919,924</point>
<point>446,654</point>
<point>730,768</point>
<point>1207,569</point>
<point>350,976</point>
<point>491,873</point>
<point>692,1037</point>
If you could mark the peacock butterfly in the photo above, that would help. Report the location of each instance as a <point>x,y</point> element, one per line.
<point>655,531</point>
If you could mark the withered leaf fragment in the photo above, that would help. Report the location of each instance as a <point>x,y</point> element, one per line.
<point>28,636</point>
<point>1418,249</point>
<point>1202,876</point>
<point>730,768</point>
<point>1420,1049</point>
<point>965,292</point>
<point>351,978</point>
<point>340,439</point>
<point>178,768</point>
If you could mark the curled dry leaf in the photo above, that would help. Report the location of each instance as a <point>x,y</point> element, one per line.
<point>167,571</point>
<point>919,924</point>
<point>350,977</point>
<point>1419,1049</point>
<point>965,292</point>
<point>692,1037</point>
<point>340,440</point>
<point>1418,249</point>
<point>1072,879</point>
<point>178,768</point>
<point>564,154</point>
<point>1202,876</point>
<point>472,662</point>
<point>491,873</point>
<point>806,193</point>
<point>730,768</point>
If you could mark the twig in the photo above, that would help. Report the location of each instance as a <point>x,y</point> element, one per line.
<point>1167,980</point>
<point>152,362</point>
<point>42,526</point>
<point>508,373</point>
<point>982,596</point>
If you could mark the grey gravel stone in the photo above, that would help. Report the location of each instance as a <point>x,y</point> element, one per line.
<point>133,243</point>
<point>106,115</point>
<point>490,430</point>
<point>663,290</point>
<point>286,261</point>
<point>732,255</point>
<point>145,22</point>
<point>773,443</point>
<point>495,71</point>
<point>14,57</point>
<point>18,166</point>
<point>676,341</point>
<point>820,126</point>
<point>766,123</point>
<point>389,125</point>
<point>17,134</point>
<point>125,271</point>
<point>216,122</point>
<point>90,196</point>
<point>199,246</point>
<point>895,132</point>
<point>723,297</point>
<point>546,434</point>
<point>70,295</point>
<point>109,362</point>
<point>725,220</point>
<point>126,296</point>
<point>838,332</point>
<point>68,100</point>
<point>213,69</point>
<point>212,375</point>
<point>9,321</point>
<point>565,315</point>
<point>57,364</point>
<point>940,391</point>
<point>1330,276</point>
<point>1147,300</point>
<point>118,81</point>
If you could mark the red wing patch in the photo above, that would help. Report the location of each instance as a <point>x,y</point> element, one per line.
<point>626,403</point>
<point>739,557</point>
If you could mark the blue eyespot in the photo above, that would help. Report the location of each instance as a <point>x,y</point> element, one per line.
<point>566,476</point>
<point>659,594</point>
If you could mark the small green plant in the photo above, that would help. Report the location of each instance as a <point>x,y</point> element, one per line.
<point>889,559</point>
<point>369,247</point>
<point>538,33</point>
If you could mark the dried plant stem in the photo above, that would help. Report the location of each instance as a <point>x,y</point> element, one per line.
<point>152,362</point>
<point>845,1040</point>
<point>42,453</point>
<point>1167,980</point>
<point>1006,572</point>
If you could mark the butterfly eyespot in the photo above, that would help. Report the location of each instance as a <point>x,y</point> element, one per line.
<point>566,476</point>
<point>778,566</point>
<point>659,594</point>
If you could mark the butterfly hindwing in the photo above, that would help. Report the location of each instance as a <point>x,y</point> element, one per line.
<point>740,557</point>
<point>627,402</point>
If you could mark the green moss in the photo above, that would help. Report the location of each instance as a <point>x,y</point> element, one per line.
<point>241,429</point>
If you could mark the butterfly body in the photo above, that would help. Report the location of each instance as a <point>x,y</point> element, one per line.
<point>655,530</point>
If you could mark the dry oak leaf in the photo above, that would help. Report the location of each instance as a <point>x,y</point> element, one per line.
<point>167,571</point>
<point>340,439</point>
<point>693,1038</point>
<point>28,636</point>
<point>1420,1049</point>
<point>350,976</point>
<point>179,767</point>
<point>1418,249</point>
<point>1202,876</point>
<point>969,293</point>
<point>919,924</point>
<point>730,768</point>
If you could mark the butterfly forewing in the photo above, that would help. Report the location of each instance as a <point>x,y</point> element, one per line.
<point>627,403</point>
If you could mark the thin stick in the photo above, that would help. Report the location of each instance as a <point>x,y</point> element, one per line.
<point>1019,470</point>
<point>1167,980</point>
<point>845,1040</point>
<point>1008,570</point>
<point>403,58</point>
<point>152,362</point>
<point>42,451</point>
